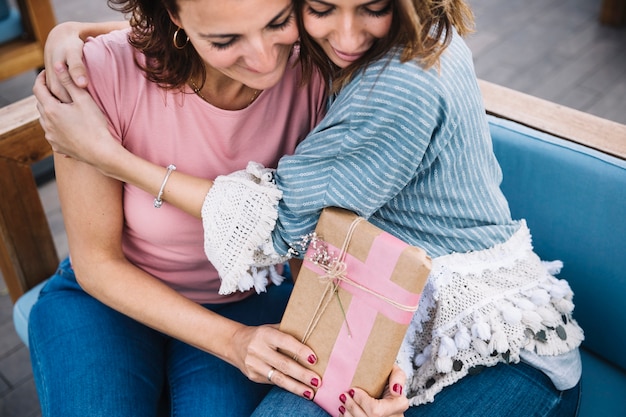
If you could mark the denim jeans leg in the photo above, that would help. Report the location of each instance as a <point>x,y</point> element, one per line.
<point>204,385</point>
<point>501,391</point>
<point>285,404</point>
<point>89,360</point>
<point>515,390</point>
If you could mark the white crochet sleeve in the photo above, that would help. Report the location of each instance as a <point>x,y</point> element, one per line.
<point>238,216</point>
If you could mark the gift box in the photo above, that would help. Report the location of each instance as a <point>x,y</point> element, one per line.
<point>352,303</point>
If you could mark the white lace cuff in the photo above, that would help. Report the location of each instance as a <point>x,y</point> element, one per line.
<point>238,216</point>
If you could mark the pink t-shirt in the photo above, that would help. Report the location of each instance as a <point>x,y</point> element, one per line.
<point>169,127</point>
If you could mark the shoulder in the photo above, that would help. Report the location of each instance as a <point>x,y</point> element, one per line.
<point>436,86</point>
<point>112,55</point>
<point>406,87</point>
<point>116,82</point>
<point>456,60</point>
<point>111,60</point>
<point>113,44</point>
<point>390,75</point>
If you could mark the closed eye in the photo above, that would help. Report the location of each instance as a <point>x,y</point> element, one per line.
<point>225,45</point>
<point>284,23</point>
<point>380,12</point>
<point>287,16</point>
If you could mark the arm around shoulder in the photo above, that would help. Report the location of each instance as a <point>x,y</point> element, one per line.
<point>64,50</point>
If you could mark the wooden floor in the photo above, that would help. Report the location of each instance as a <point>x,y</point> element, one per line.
<point>554,49</point>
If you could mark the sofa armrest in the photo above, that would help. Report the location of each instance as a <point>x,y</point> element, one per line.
<point>557,120</point>
<point>27,251</point>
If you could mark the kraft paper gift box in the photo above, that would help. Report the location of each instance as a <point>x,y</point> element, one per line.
<point>352,302</point>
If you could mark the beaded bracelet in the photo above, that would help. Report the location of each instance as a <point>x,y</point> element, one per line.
<point>158,202</point>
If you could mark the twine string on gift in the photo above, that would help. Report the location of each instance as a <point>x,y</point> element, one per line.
<point>335,269</point>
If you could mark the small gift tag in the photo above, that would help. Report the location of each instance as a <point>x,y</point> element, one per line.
<point>352,302</point>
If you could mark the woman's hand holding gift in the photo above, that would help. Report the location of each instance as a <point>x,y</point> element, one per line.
<point>258,352</point>
<point>358,403</point>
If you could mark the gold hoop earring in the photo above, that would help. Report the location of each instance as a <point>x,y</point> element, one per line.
<point>176,36</point>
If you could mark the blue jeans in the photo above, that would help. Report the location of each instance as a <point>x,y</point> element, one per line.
<point>501,391</point>
<point>89,360</point>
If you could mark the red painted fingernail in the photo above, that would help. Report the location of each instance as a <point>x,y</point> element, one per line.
<point>351,392</point>
<point>342,398</point>
<point>312,359</point>
<point>315,382</point>
<point>342,409</point>
<point>307,395</point>
<point>397,388</point>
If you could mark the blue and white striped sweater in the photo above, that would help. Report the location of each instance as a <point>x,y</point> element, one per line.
<point>409,150</point>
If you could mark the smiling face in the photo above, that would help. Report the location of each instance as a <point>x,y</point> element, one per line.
<point>248,41</point>
<point>346,29</point>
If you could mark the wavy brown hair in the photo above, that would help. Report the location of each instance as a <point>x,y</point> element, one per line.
<point>421,28</point>
<point>152,33</point>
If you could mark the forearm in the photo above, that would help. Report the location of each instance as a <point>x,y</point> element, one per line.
<point>94,218</point>
<point>149,301</point>
<point>183,191</point>
<point>93,209</point>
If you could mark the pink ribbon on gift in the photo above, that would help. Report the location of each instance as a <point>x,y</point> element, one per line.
<point>373,293</point>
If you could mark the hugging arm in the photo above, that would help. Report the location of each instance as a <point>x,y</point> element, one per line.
<point>64,51</point>
<point>80,130</point>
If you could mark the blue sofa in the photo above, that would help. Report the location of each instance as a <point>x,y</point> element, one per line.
<point>574,200</point>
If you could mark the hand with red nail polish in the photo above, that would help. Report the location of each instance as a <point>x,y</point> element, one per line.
<point>268,356</point>
<point>356,402</point>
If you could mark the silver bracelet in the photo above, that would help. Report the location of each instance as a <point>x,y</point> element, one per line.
<point>158,202</point>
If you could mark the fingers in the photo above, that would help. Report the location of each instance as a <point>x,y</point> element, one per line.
<point>66,80</point>
<point>60,83</point>
<point>357,403</point>
<point>397,380</point>
<point>64,48</point>
<point>289,371</point>
<point>55,87</point>
<point>41,92</point>
<point>271,359</point>
<point>45,100</point>
<point>72,129</point>
<point>76,67</point>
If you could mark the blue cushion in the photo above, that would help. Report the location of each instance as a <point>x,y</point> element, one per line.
<point>21,311</point>
<point>5,9</point>
<point>11,26</point>
<point>603,388</point>
<point>574,200</point>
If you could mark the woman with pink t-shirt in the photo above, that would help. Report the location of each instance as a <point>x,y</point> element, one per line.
<point>136,312</point>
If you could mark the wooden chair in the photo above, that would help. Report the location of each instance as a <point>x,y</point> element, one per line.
<point>27,252</point>
<point>26,53</point>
